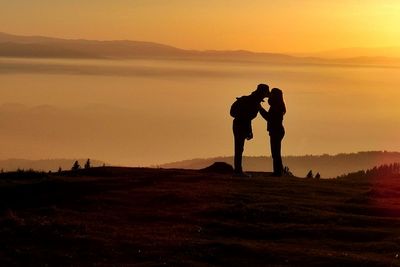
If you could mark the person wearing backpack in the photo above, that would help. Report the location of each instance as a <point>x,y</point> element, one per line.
<point>274,118</point>
<point>244,110</point>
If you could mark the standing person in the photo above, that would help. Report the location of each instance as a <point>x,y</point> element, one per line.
<point>244,110</point>
<point>274,118</point>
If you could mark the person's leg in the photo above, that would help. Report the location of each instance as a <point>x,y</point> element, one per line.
<point>273,151</point>
<point>239,147</point>
<point>276,141</point>
<point>240,132</point>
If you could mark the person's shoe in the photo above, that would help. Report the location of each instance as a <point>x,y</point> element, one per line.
<point>241,175</point>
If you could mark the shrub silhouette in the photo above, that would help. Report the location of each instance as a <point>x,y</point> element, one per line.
<point>87,164</point>
<point>287,172</point>
<point>76,166</point>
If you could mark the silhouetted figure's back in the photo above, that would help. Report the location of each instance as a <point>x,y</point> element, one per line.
<point>244,110</point>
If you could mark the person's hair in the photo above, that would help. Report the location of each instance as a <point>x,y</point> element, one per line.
<point>276,100</point>
<point>262,91</point>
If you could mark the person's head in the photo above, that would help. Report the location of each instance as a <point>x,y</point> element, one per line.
<point>261,92</point>
<point>275,99</point>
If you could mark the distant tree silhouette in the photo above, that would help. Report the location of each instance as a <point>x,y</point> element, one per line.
<point>387,170</point>
<point>310,174</point>
<point>76,166</point>
<point>87,164</point>
<point>318,176</point>
<point>384,170</point>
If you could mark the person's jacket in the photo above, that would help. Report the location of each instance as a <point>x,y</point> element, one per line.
<point>274,118</point>
<point>244,110</point>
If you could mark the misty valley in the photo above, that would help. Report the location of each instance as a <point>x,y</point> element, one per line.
<point>151,111</point>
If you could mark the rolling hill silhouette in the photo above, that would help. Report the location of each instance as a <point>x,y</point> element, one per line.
<point>36,46</point>
<point>328,165</point>
<point>46,47</point>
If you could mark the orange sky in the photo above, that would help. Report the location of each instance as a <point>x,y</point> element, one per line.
<point>259,25</point>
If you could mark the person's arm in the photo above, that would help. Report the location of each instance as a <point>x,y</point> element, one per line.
<point>264,113</point>
<point>250,136</point>
<point>250,132</point>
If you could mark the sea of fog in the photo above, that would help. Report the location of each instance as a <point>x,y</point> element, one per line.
<point>143,112</point>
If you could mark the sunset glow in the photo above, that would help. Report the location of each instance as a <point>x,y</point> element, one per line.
<point>200,132</point>
<point>136,103</point>
<point>276,26</point>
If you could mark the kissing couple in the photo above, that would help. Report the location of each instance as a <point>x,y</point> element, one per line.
<point>244,110</point>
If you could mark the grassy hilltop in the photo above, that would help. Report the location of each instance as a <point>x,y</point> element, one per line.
<point>151,217</point>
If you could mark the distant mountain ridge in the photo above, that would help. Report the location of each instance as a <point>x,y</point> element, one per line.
<point>38,46</point>
<point>47,47</point>
<point>328,165</point>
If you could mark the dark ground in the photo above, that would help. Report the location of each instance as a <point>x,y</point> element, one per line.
<point>154,217</point>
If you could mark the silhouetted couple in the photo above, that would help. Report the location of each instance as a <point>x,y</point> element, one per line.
<point>244,110</point>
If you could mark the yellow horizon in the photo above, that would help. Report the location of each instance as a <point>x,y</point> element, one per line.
<point>286,26</point>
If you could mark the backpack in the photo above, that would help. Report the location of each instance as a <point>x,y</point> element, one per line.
<point>239,107</point>
<point>244,108</point>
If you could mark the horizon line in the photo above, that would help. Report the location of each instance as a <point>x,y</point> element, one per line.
<point>291,53</point>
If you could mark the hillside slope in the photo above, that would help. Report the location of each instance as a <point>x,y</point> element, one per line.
<point>153,217</point>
